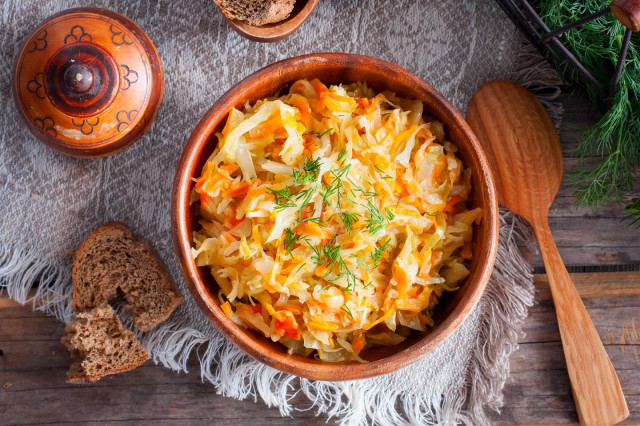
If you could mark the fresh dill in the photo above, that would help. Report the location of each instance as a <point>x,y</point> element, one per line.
<point>378,252</point>
<point>342,155</point>
<point>383,174</point>
<point>326,254</point>
<point>318,134</point>
<point>306,195</point>
<point>330,254</point>
<point>431,214</point>
<point>349,219</point>
<point>633,208</point>
<point>300,267</point>
<point>612,142</point>
<point>282,198</point>
<point>336,186</point>
<point>346,309</point>
<point>309,173</point>
<point>290,240</point>
<point>360,260</point>
<point>389,214</point>
<point>317,220</point>
<point>373,218</point>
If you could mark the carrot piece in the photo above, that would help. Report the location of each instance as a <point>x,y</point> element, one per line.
<point>233,220</point>
<point>226,308</point>
<point>237,190</point>
<point>271,126</point>
<point>452,202</point>
<point>314,230</point>
<point>423,319</point>
<point>318,86</point>
<point>302,104</point>
<point>321,325</point>
<point>358,343</point>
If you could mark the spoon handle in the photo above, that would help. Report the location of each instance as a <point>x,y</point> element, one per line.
<point>597,393</point>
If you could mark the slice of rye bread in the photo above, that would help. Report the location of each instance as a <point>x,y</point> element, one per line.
<point>111,262</point>
<point>100,346</point>
<point>256,12</point>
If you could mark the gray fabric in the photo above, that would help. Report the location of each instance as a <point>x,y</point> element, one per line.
<point>50,202</point>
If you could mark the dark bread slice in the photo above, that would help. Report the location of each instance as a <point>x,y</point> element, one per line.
<point>256,12</point>
<point>101,346</point>
<point>112,261</point>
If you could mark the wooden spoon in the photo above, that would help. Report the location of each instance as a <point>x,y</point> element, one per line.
<point>278,30</point>
<point>524,152</point>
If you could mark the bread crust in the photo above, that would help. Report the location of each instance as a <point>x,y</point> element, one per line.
<point>127,233</point>
<point>81,377</point>
<point>278,10</point>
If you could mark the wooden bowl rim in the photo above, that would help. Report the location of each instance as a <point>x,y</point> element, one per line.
<point>281,361</point>
<point>277,31</point>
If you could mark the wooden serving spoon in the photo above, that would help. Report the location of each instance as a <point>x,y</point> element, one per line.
<point>524,151</point>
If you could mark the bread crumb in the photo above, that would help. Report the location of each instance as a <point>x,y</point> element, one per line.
<point>7,385</point>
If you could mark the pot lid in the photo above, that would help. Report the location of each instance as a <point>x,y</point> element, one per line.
<point>88,82</point>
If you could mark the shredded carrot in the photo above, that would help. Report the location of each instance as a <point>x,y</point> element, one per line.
<point>226,308</point>
<point>322,325</point>
<point>358,343</point>
<point>369,325</point>
<point>273,125</point>
<point>236,190</point>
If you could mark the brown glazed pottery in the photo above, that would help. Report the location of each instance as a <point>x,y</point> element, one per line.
<point>278,30</point>
<point>88,82</point>
<point>335,68</point>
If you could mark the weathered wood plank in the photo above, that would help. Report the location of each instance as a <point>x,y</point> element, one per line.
<point>584,237</point>
<point>538,391</point>
<point>601,284</point>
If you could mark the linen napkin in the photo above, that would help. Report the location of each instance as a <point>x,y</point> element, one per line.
<point>50,202</point>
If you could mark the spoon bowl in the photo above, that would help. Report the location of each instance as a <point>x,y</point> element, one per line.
<point>528,173</point>
<point>524,153</point>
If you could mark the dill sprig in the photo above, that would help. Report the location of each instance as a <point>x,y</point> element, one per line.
<point>378,252</point>
<point>633,208</point>
<point>282,198</point>
<point>383,174</point>
<point>290,240</point>
<point>330,254</point>
<point>349,219</point>
<point>318,134</point>
<point>373,217</point>
<point>346,309</point>
<point>613,143</point>
<point>309,172</point>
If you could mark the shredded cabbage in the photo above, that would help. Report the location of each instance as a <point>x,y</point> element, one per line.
<point>334,218</point>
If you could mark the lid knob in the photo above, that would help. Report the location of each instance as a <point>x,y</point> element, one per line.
<point>81,79</point>
<point>88,82</point>
<point>78,78</point>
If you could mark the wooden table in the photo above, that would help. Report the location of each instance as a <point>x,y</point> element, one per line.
<point>33,362</point>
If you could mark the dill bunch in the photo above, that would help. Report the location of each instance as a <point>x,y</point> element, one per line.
<point>614,142</point>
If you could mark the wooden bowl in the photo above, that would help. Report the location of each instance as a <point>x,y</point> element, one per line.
<point>278,30</point>
<point>332,68</point>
